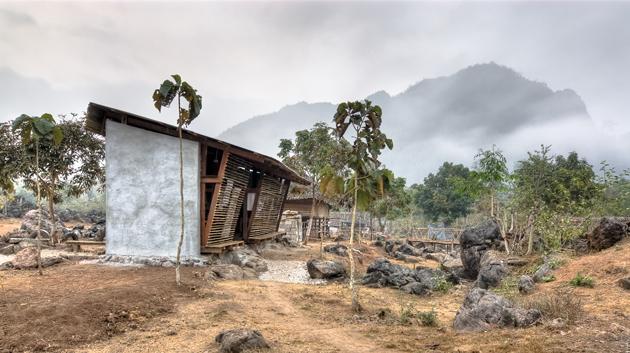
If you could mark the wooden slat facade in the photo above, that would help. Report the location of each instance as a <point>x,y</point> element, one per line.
<point>268,208</point>
<point>229,201</point>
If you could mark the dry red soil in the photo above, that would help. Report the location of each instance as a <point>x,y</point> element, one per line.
<point>90,308</point>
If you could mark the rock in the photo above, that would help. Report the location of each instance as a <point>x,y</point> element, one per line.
<point>30,221</point>
<point>321,269</point>
<point>543,271</point>
<point>624,283</point>
<point>382,273</point>
<point>492,269</point>
<point>227,272</point>
<point>416,288</point>
<point>436,256</point>
<point>475,242</point>
<point>526,284</point>
<point>337,249</point>
<point>7,250</point>
<point>483,310</point>
<point>607,233</point>
<point>27,258</point>
<point>452,263</point>
<point>517,262</point>
<point>406,258</point>
<point>240,340</point>
<point>409,250</point>
<point>245,257</point>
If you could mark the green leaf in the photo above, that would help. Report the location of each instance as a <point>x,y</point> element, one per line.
<point>166,87</point>
<point>57,135</point>
<point>42,127</point>
<point>17,123</point>
<point>177,78</point>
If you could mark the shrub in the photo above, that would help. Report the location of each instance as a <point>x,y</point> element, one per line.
<point>428,318</point>
<point>563,305</point>
<point>407,313</point>
<point>442,285</point>
<point>582,281</point>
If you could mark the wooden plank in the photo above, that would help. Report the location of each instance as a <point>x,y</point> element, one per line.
<point>215,197</point>
<point>284,200</point>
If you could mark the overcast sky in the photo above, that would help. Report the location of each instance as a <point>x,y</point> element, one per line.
<point>253,58</point>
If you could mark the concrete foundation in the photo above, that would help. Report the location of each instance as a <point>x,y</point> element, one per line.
<point>143,201</point>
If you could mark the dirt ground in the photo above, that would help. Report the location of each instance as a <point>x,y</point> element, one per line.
<point>91,308</point>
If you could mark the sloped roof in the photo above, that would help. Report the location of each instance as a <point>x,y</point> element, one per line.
<point>97,115</point>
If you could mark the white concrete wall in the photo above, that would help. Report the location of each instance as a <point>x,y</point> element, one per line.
<point>143,193</point>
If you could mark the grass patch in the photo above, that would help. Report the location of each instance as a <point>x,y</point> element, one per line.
<point>508,287</point>
<point>582,281</point>
<point>563,305</point>
<point>428,318</point>
<point>548,278</point>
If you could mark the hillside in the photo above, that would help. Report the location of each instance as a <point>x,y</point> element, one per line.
<point>475,107</point>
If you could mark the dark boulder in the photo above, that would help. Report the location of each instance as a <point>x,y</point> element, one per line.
<point>607,233</point>
<point>240,340</point>
<point>407,249</point>
<point>382,273</point>
<point>526,284</point>
<point>543,271</point>
<point>492,269</point>
<point>475,242</point>
<point>337,249</point>
<point>321,269</point>
<point>483,310</point>
<point>624,283</point>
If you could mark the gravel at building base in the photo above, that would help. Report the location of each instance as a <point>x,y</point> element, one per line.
<point>288,272</point>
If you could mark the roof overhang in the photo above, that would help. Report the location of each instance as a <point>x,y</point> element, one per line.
<point>97,115</point>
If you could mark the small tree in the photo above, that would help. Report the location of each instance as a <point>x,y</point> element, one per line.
<point>367,180</point>
<point>73,166</point>
<point>34,130</point>
<point>492,173</point>
<point>162,97</point>
<point>314,153</point>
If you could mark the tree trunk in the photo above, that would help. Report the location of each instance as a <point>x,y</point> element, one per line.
<point>530,240</point>
<point>39,213</point>
<point>491,203</point>
<point>356,307</point>
<point>51,216</point>
<point>310,220</point>
<point>181,196</point>
<point>371,231</point>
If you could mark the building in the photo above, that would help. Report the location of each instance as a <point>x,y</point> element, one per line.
<point>232,195</point>
<point>302,205</point>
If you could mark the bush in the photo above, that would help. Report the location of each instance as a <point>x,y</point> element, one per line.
<point>428,318</point>
<point>442,285</point>
<point>563,305</point>
<point>582,281</point>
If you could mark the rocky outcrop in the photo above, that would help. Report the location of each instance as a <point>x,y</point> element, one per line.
<point>27,258</point>
<point>337,249</point>
<point>492,269</point>
<point>240,340</point>
<point>230,272</point>
<point>30,222</point>
<point>624,283</point>
<point>483,310</point>
<point>526,284</point>
<point>322,269</point>
<point>382,273</point>
<point>245,257</point>
<point>475,242</point>
<point>608,232</point>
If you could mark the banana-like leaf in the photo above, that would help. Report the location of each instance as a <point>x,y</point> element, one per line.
<point>57,135</point>
<point>177,78</point>
<point>42,126</point>
<point>19,121</point>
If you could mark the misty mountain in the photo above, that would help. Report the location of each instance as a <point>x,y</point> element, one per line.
<point>445,118</point>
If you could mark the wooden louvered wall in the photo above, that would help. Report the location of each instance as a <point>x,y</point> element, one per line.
<point>230,199</point>
<point>269,205</point>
